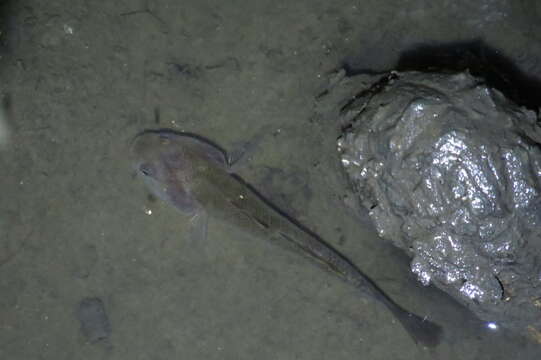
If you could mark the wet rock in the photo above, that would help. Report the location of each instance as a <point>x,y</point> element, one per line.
<point>95,324</point>
<point>450,171</point>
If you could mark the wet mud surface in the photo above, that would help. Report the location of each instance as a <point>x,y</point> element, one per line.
<point>82,78</point>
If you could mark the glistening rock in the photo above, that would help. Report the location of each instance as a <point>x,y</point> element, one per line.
<point>450,171</point>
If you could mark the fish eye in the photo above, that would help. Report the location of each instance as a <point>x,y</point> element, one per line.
<point>146,169</point>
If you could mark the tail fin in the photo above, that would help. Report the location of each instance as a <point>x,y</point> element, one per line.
<point>421,330</point>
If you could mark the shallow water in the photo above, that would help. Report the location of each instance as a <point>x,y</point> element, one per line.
<point>81,78</point>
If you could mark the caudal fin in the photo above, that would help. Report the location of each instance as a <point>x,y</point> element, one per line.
<point>423,331</point>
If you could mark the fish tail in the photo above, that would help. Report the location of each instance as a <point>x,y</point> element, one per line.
<point>421,330</point>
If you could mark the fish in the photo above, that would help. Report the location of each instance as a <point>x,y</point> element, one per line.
<point>195,176</point>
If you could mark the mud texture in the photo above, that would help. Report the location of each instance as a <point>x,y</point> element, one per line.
<point>79,78</point>
<point>450,171</point>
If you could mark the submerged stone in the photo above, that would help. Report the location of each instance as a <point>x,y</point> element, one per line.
<point>450,171</point>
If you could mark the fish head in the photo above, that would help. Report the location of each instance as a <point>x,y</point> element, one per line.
<point>171,164</point>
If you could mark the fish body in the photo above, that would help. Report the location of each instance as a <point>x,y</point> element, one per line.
<point>193,175</point>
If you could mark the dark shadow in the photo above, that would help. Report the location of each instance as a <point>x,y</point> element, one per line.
<point>482,60</point>
<point>6,25</point>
